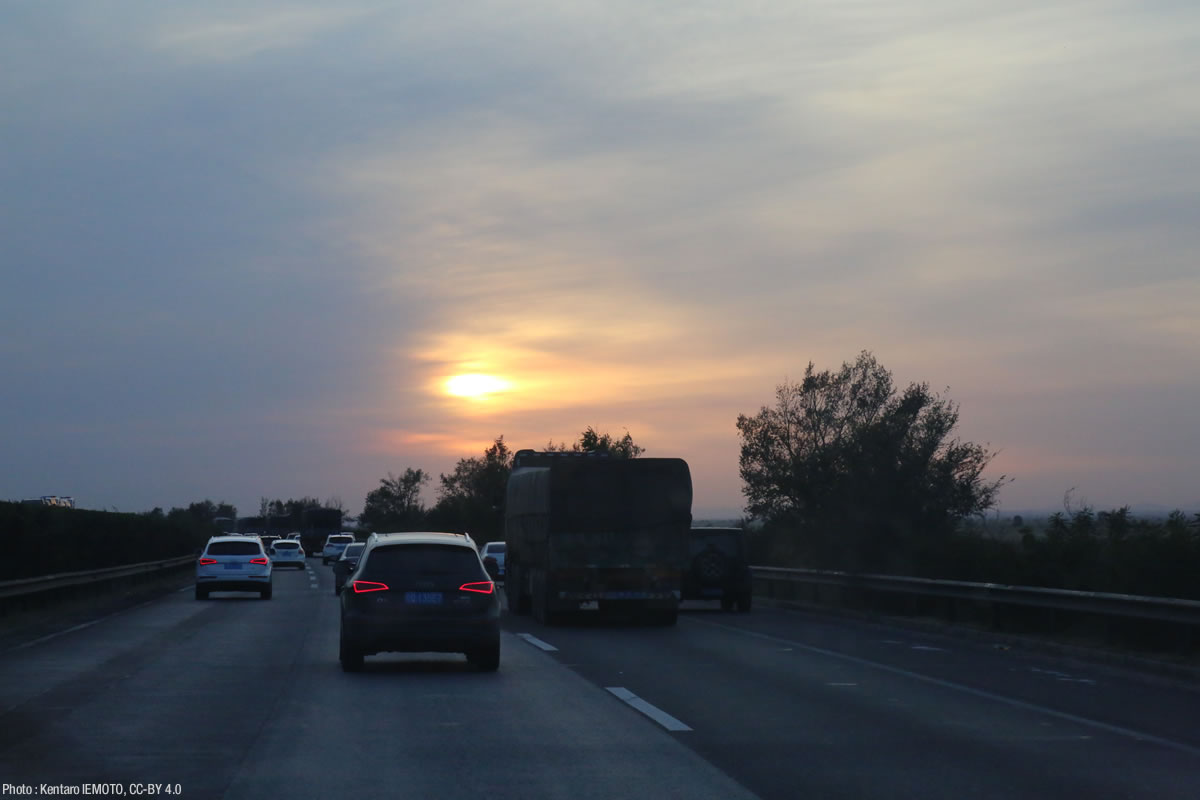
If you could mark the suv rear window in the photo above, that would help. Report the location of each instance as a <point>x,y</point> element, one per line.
<point>405,562</point>
<point>494,547</point>
<point>288,545</point>
<point>234,549</point>
<point>341,539</point>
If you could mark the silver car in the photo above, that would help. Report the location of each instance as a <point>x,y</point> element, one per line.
<point>233,564</point>
<point>335,543</point>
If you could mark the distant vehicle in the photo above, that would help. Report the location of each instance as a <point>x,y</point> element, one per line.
<point>419,593</point>
<point>316,525</point>
<point>268,540</point>
<point>495,551</point>
<point>251,526</point>
<point>334,545</point>
<point>584,528</point>
<point>718,568</point>
<point>233,564</point>
<point>345,565</point>
<point>287,552</point>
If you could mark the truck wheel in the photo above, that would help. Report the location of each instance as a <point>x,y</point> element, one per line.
<point>744,603</point>
<point>512,590</point>
<point>538,601</point>
<point>542,611</point>
<point>727,604</point>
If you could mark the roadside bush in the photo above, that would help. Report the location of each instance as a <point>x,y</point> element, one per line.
<point>45,540</point>
<point>1109,551</point>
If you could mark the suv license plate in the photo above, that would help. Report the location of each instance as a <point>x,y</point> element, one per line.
<point>233,565</point>
<point>423,598</point>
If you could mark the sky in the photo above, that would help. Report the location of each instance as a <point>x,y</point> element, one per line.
<point>247,245</point>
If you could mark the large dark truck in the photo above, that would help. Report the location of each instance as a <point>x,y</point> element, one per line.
<point>584,529</point>
<point>316,524</point>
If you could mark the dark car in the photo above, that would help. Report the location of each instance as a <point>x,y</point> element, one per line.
<point>345,564</point>
<point>718,568</point>
<point>420,593</point>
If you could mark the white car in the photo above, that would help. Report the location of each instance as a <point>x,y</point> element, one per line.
<point>496,551</point>
<point>233,564</point>
<point>287,552</point>
<point>335,543</point>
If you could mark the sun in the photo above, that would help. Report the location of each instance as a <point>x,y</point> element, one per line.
<point>475,385</point>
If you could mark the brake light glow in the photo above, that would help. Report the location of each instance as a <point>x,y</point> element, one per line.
<point>360,587</point>
<point>483,587</point>
<point>208,561</point>
<point>263,561</point>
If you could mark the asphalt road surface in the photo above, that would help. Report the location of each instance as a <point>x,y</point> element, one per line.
<point>241,698</point>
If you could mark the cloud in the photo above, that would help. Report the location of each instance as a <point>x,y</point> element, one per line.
<point>293,222</point>
<point>236,33</point>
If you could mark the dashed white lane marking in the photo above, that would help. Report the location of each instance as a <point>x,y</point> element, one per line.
<point>841,684</point>
<point>653,712</point>
<point>927,647</point>
<point>958,687</point>
<point>536,642</point>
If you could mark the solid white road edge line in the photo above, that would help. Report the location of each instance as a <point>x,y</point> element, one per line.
<point>536,642</point>
<point>653,712</point>
<point>79,627</point>
<point>998,698</point>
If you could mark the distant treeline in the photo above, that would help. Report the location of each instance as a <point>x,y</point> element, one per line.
<point>1085,550</point>
<point>45,540</point>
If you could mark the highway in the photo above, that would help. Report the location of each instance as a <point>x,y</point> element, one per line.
<point>241,698</point>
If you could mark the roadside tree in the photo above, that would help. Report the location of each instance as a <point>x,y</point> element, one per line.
<point>471,498</point>
<point>590,441</point>
<point>861,475</point>
<point>396,504</point>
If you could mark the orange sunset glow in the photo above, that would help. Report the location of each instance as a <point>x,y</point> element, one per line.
<point>475,386</point>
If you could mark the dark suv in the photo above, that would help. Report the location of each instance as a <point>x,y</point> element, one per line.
<point>717,568</point>
<point>420,593</point>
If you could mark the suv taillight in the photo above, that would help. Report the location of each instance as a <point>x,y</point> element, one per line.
<point>208,561</point>
<point>483,587</point>
<point>262,561</point>
<point>368,586</point>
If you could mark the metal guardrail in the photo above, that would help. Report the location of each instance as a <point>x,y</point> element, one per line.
<point>44,583</point>
<point>1165,609</point>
